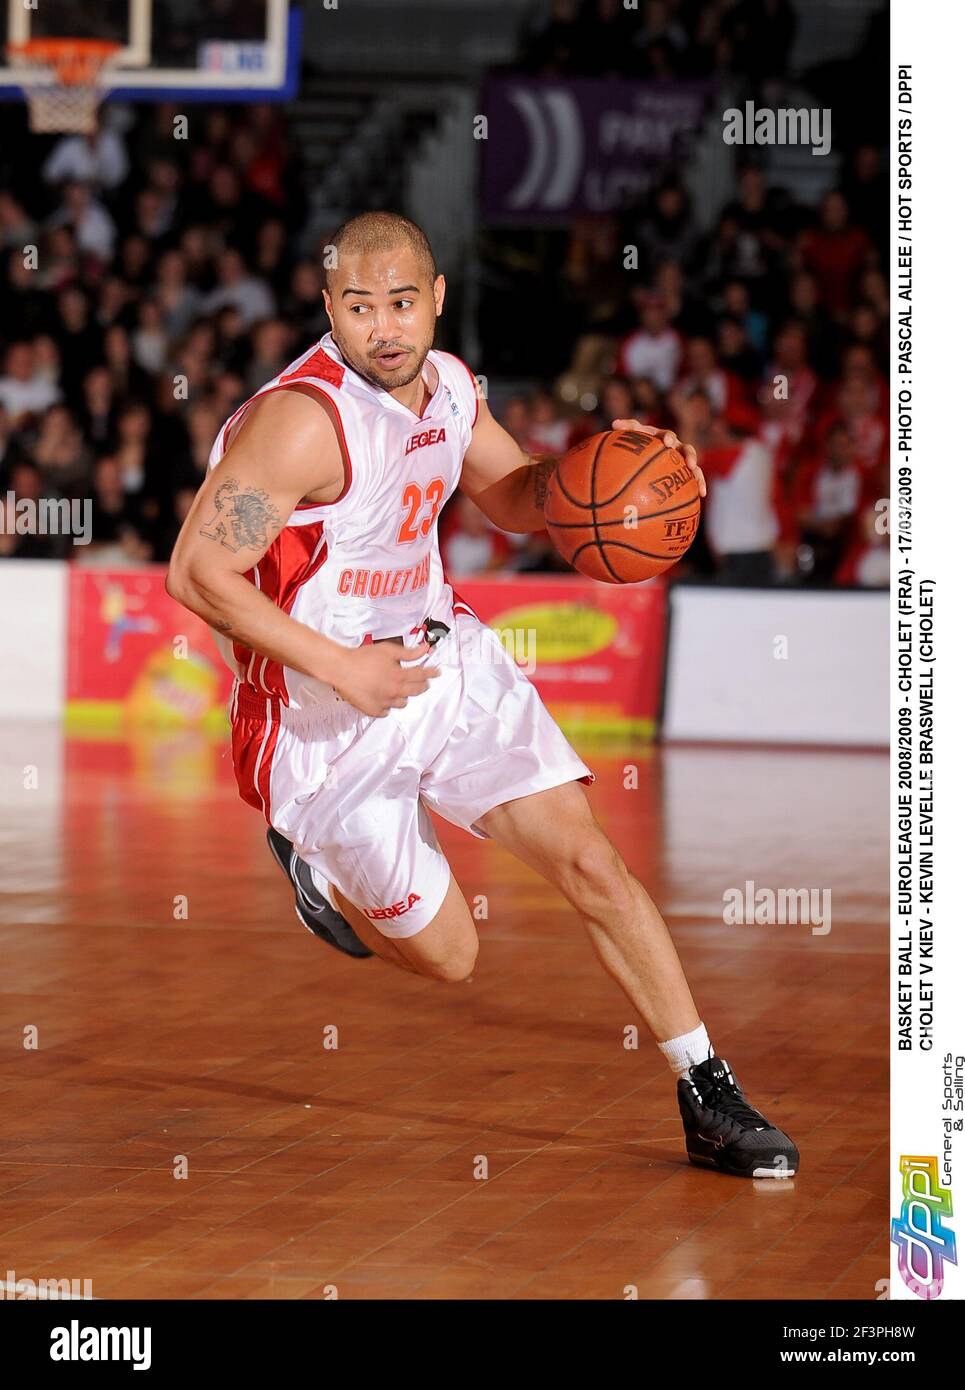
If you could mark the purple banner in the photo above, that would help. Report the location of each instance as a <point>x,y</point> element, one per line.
<point>557,147</point>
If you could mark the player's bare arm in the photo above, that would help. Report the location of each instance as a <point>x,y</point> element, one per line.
<point>285,451</point>
<point>509,485</point>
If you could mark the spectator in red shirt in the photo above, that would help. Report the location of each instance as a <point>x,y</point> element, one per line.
<point>836,253</point>
<point>791,377</point>
<point>869,432</point>
<point>867,560</point>
<point>829,498</point>
<point>726,392</point>
<point>741,519</point>
<point>859,360</point>
<point>859,403</point>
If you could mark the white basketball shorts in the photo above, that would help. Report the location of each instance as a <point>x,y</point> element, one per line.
<point>351,791</point>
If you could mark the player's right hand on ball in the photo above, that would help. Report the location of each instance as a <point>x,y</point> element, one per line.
<point>375,680</point>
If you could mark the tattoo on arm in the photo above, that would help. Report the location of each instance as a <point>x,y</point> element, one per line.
<point>543,470</point>
<point>244,518</point>
<point>223,625</point>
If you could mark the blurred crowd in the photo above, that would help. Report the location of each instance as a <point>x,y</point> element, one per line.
<point>659,38</point>
<point>765,344</point>
<point>148,286</point>
<point>761,338</point>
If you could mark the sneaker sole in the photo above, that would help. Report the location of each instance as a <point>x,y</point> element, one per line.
<point>702,1161</point>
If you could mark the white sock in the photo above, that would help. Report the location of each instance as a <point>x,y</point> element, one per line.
<point>686,1051</point>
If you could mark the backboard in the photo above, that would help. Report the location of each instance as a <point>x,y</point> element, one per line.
<point>192,50</point>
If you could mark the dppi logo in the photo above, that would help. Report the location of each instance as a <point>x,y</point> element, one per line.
<point>924,1244</point>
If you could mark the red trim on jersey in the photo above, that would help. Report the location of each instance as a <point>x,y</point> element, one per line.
<point>343,442</point>
<point>231,423</point>
<point>459,604</point>
<point>294,557</point>
<point>320,364</point>
<point>325,368</point>
<point>346,456</point>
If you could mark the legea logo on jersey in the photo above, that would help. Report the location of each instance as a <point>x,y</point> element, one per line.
<point>425,438</point>
<point>395,910</point>
<point>924,1243</point>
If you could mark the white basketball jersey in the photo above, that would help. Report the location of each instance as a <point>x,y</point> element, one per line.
<point>368,564</point>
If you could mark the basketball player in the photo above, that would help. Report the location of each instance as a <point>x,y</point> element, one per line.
<point>367,690</point>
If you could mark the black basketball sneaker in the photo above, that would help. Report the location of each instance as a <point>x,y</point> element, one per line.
<point>724,1132</point>
<point>314,912</point>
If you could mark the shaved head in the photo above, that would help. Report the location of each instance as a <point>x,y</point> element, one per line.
<point>374,233</point>
<point>383,295</point>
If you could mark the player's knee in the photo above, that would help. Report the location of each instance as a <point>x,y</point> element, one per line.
<point>593,875</point>
<point>455,965</point>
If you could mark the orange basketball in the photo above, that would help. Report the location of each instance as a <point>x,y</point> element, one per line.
<point>622,507</point>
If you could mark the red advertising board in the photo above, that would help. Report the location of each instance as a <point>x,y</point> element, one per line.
<point>594,651</point>
<point>136,657</point>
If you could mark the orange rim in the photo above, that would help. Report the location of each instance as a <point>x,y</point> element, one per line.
<point>75,61</point>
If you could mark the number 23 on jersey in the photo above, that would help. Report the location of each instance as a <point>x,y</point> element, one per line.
<point>414,501</point>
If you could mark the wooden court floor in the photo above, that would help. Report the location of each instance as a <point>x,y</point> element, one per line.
<point>176,1122</point>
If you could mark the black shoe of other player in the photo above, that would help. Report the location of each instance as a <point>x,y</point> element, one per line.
<point>313,910</point>
<point>724,1132</point>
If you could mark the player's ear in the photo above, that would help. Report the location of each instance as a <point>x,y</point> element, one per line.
<point>439,292</point>
<point>327,301</point>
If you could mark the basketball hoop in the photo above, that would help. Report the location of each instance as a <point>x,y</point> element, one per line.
<point>64,92</point>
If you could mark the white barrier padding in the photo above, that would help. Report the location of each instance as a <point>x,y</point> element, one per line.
<point>33,638</point>
<point>778,666</point>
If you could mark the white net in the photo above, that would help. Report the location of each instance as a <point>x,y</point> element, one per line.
<point>64,109</point>
<point>63,91</point>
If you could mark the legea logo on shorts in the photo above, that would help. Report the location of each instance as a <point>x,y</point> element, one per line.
<point>395,910</point>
